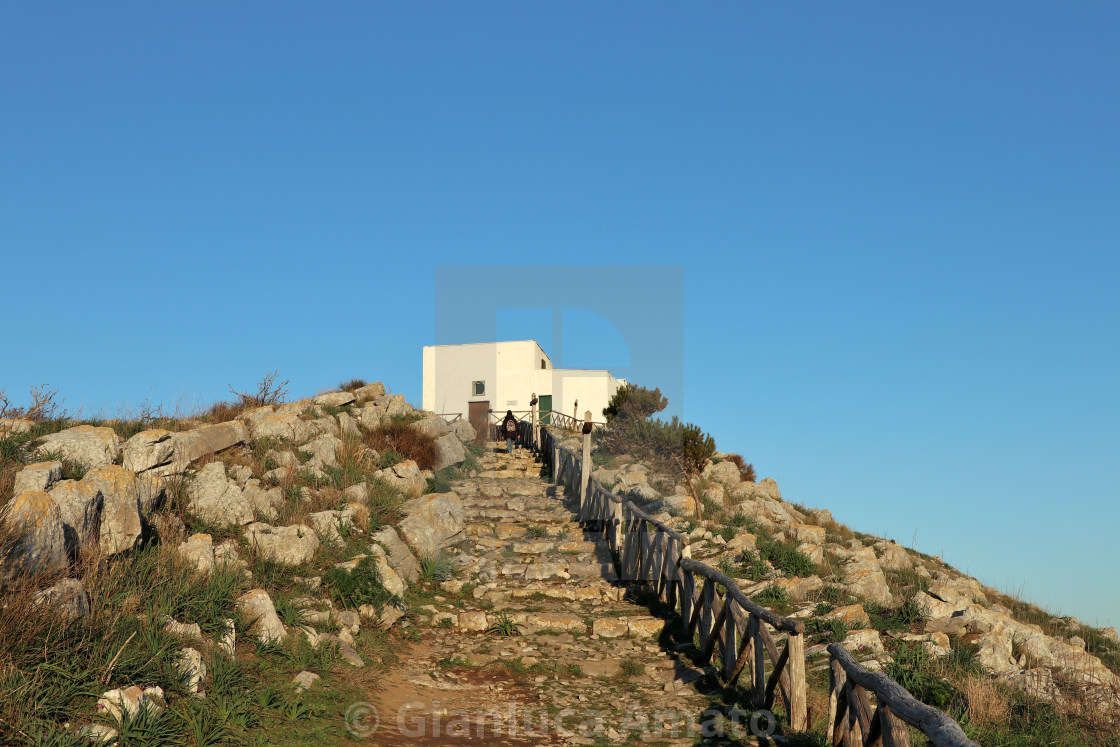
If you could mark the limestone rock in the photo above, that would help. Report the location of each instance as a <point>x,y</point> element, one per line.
<point>389,578</point>
<point>11,426</point>
<point>865,580</point>
<point>323,450</point>
<point>215,499</point>
<point>405,477</point>
<point>198,551</point>
<point>265,501</point>
<point>304,680</point>
<point>130,700</point>
<point>87,445</point>
<point>401,558</point>
<point>723,473</point>
<point>40,546</point>
<point>348,426</point>
<point>806,533</point>
<point>166,453</point>
<point>767,489</point>
<point>80,504</point>
<point>290,545</point>
<point>853,616</point>
<point>432,425</point>
<point>148,449</point>
<point>464,431</point>
<point>893,557</point>
<point>432,522</point>
<point>192,670</point>
<point>264,423</point>
<point>864,642</point>
<point>370,391</point>
<point>68,595</point>
<point>995,653</point>
<point>449,451</point>
<point>38,476</point>
<point>256,606</point>
<point>334,399</point>
<point>121,525</point>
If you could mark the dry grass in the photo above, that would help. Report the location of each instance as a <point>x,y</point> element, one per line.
<point>988,705</point>
<point>746,469</point>
<point>403,440</point>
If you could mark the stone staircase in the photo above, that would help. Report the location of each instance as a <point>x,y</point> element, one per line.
<point>585,665</point>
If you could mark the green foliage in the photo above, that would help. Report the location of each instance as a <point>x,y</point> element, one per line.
<point>504,626</point>
<point>536,532</point>
<point>435,567</point>
<point>631,668</point>
<point>826,631</point>
<point>772,596</point>
<point>914,668</point>
<point>353,588</point>
<point>786,557</point>
<point>441,481</point>
<point>634,402</point>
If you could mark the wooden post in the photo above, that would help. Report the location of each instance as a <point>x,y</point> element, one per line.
<point>585,472</point>
<point>555,462</point>
<point>798,706</point>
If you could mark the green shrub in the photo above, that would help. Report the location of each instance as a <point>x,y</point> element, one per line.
<point>435,568</point>
<point>353,588</point>
<point>634,402</point>
<point>772,596</point>
<point>787,558</point>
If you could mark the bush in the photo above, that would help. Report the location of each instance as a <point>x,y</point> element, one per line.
<point>353,588</point>
<point>397,440</point>
<point>787,558</point>
<point>350,386</point>
<point>632,401</point>
<point>746,470</point>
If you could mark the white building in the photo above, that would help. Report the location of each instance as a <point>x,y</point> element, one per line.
<point>475,378</point>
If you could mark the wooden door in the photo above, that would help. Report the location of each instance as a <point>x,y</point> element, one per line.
<point>544,404</point>
<point>479,415</point>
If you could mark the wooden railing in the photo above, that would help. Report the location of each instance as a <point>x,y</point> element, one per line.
<point>851,720</point>
<point>712,607</point>
<point>730,625</point>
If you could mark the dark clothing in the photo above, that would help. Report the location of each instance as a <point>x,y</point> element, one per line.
<point>510,426</point>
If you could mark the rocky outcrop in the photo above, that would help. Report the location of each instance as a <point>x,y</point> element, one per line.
<point>121,526</point>
<point>449,451</point>
<point>87,445</point>
<point>290,545</point>
<point>39,544</point>
<point>214,498</point>
<point>38,476</point>
<point>405,477</point>
<point>258,610</point>
<point>167,453</point>
<point>400,557</point>
<point>432,522</point>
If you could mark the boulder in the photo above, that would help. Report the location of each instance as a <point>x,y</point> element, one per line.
<point>893,557</point>
<point>68,596</point>
<point>167,453</point>
<point>87,445</point>
<point>130,700</point>
<point>863,643</point>
<point>401,558</point>
<point>464,431</point>
<point>767,489</point>
<point>256,606</point>
<point>323,450</point>
<point>723,473</point>
<point>393,583</point>
<point>864,579</point>
<point>39,545</point>
<point>12,426</point>
<point>263,423</point>
<point>348,426</point>
<point>121,524</point>
<point>334,399</point>
<point>371,416</point>
<point>853,615</point>
<point>192,670</point>
<point>38,476</point>
<point>806,533</point>
<point>198,551</point>
<point>449,451</point>
<point>213,498</point>
<point>996,653</point>
<point>432,425</point>
<point>432,522</point>
<point>265,501</point>
<point>405,477</point>
<point>290,545</point>
<point>370,391</point>
<point>80,504</point>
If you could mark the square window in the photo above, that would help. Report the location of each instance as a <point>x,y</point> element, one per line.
<point>478,388</point>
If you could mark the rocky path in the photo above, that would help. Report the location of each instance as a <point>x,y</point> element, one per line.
<point>580,665</point>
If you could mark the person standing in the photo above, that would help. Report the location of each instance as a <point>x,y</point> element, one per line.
<point>509,430</point>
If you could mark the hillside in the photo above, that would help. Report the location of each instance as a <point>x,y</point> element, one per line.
<point>272,572</point>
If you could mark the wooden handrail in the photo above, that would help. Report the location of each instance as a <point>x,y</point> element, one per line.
<point>729,624</point>
<point>785,624</point>
<point>849,708</point>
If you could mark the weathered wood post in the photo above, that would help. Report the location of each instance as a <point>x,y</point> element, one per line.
<point>585,472</point>
<point>798,697</point>
<point>535,445</point>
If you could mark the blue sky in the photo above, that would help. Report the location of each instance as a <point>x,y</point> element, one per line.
<point>897,227</point>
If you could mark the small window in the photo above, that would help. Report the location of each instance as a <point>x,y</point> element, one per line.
<point>542,364</point>
<point>478,388</point>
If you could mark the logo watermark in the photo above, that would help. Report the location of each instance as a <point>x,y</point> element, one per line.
<point>417,719</point>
